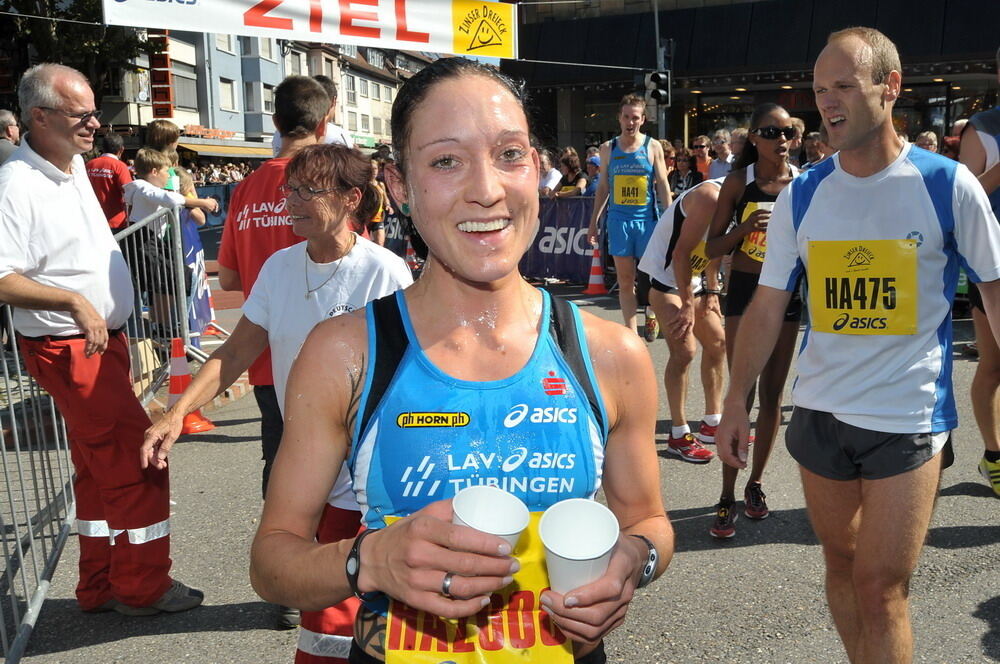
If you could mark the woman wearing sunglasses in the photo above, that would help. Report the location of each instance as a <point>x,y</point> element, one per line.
<point>748,194</point>
<point>684,176</point>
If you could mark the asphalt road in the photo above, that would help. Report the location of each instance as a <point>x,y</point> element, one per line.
<point>757,598</point>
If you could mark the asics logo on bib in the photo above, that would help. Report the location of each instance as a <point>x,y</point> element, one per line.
<point>548,415</point>
<point>859,322</point>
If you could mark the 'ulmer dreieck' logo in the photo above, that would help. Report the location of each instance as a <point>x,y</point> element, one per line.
<point>409,420</point>
<point>859,258</point>
<point>486,27</point>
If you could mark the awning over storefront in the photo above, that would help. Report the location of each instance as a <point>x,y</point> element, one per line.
<point>223,150</point>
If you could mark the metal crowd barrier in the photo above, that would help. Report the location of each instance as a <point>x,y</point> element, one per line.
<point>37,505</point>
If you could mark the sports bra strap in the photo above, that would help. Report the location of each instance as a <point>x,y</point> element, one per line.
<point>392,345</point>
<point>563,329</point>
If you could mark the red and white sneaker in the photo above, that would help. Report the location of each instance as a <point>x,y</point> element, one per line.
<point>706,433</point>
<point>689,449</point>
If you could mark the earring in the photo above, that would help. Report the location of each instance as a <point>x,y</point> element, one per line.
<point>405,209</point>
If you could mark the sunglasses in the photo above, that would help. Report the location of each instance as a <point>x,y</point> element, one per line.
<point>84,118</point>
<point>698,147</point>
<point>771,133</point>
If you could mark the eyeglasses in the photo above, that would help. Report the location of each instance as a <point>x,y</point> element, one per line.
<point>84,117</point>
<point>304,192</point>
<point>698,147</point>
<point>771,132</point>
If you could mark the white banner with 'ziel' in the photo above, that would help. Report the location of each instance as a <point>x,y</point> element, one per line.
<point>462,27</point>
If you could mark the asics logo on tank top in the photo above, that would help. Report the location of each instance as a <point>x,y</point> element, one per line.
<point>550,415</point>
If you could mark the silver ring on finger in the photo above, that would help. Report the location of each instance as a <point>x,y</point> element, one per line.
<point>446,585</point>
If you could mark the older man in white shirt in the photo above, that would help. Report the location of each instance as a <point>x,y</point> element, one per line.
<point>69,286</point>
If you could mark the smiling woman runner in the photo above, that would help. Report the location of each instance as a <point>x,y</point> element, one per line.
<point>470,376</point>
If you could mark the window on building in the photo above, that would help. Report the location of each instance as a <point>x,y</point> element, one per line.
<point>296,61</point>
<point>227,95</point>
<point>349,50</point>
<point>225,43</point>
<point>377,126</point>
<point>267,48</point>
<point>328,68</point>
<point>375,58</point>
<point>249,103</point>
<point>364,87</point>
<point>185,92</point>
<point>388,93</point>
<point>352,121</point>
<point>376,91</point>
<point>269,99</point>
<point>365,127</point>
<point>352,95</point>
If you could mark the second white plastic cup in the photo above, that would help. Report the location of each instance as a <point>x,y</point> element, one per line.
<point>579,537</point>
<point>491,510</point>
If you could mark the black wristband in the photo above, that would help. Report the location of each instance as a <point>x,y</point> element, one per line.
<point>352,566</point>
<point>649,569</point>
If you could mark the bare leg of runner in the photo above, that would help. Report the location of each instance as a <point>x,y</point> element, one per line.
<point>870,555</point>
<point>985,402</point>
<point>627,301</point>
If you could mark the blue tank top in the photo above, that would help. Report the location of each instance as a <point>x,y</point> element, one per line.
<point>422,435</point>
<point>630,175</point>
<point>987,123</point>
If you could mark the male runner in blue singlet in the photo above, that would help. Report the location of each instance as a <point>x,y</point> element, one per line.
<point>630,165</point>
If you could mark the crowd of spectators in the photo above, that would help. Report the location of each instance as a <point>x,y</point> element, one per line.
<point>703,157</point>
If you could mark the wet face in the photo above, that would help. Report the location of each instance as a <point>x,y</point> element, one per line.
<point>773,149</point>
<point>631,119</point>
<point>472,179</point>
<point>854,110</point>
<point>314,215</point>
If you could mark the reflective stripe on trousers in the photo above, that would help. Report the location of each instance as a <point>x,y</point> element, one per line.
<point>135,535</point>
<point>324,645</point>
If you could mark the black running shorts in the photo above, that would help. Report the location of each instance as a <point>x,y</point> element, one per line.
<point>839,451</point>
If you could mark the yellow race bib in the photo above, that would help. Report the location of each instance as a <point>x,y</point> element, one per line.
<point>512,629</point>
<point>699,259</point>
<point>755,243</point>
<point>863,286</point>
<point>631,189</point>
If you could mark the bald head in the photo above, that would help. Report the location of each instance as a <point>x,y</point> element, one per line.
<point>48,85</point>
<point>872,50</point>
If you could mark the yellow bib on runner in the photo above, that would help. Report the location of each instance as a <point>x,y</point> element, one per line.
<point>699,259</point>
<point>755,243</point>
<point>511,630</point>
<point>631,189</point>
<point>863,286</point>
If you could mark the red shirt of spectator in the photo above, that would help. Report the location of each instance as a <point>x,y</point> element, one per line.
<point>109,175</point>
<point>256,227</point>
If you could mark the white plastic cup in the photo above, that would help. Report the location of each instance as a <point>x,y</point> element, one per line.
<point>765,205</point>
<point>579,537</point>
<point>491,510</point>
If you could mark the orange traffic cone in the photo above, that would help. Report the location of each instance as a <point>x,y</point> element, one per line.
<point>412,260</point>
<point>180,378</point>
<point>596,284</point>
<point>211,330</point>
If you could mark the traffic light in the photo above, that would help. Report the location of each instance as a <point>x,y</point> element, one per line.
<point>658,87</point>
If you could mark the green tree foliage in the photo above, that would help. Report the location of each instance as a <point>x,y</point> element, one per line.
<point>99,51</point>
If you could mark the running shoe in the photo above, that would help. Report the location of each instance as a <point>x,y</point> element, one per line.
<point>755,507</point>
<point>724,526</point>
<point>990,470</point>
<point>652,329</point>
<point>178,597</point>
<point>689,449</point>
<point>706,433</point>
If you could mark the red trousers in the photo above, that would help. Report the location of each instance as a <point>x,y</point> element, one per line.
<point>122,511</point>
<point>325,636</point>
